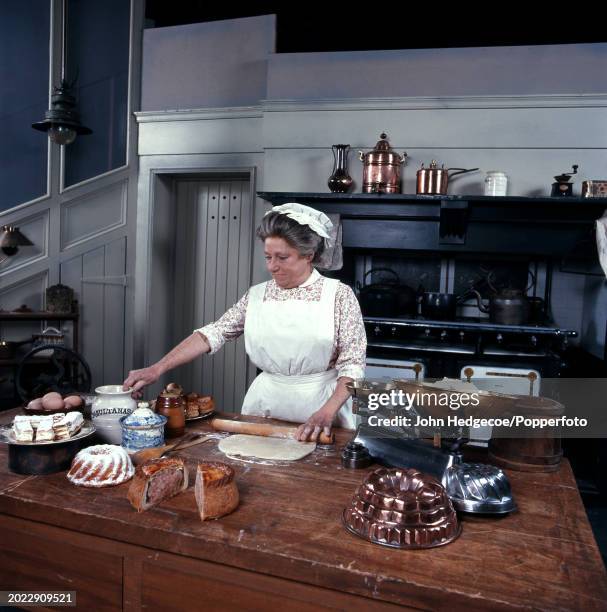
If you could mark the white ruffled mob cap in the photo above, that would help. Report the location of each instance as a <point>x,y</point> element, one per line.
<point>306,215</point>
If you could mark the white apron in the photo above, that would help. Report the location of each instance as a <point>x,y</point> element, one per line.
<point>292,343</point>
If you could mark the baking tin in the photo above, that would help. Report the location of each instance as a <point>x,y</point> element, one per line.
<point>402,508</point>
<point>41,458</point>
<point>479,488</point>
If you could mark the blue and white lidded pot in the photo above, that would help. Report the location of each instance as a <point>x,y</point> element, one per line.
<point>143,428</point>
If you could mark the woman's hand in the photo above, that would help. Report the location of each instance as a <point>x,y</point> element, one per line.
<point>137,379</point>
<point>320,421</point>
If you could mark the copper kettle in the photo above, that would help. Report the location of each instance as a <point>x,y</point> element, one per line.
<point>381,171</point>
<point>507,306</point>
<point>435,180</point>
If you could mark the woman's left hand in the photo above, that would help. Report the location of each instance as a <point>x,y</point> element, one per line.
<point>320,421</point>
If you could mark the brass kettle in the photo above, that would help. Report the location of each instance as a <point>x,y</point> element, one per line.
<point>381,170</point>
<point>435,180</point>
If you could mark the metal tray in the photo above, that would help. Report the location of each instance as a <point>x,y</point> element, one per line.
<point>8,437</point>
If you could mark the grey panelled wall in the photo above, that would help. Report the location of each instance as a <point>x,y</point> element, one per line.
<point>211,273</point>
<point>98,276</point>
<point>221,63</point>
<point>83,237</point>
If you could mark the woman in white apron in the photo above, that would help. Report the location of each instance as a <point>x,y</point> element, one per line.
<point>302,330</point>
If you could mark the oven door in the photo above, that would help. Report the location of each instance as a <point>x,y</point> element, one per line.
<point>394,369</point>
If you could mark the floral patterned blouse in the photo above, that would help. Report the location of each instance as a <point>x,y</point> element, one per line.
<point>349,342</point>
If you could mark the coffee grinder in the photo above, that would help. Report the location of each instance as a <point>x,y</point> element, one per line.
<point>563,187</point>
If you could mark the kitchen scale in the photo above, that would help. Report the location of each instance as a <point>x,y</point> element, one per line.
<point>400,445</point>
<point>472,487</point>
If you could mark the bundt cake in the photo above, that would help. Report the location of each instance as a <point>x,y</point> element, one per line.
<point>103,465</point>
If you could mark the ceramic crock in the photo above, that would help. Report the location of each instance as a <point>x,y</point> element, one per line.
<point>111,403</point>
<point>172,406</point>
<point>142,429</point>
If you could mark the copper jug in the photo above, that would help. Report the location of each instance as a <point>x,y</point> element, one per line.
<point>381,170</point>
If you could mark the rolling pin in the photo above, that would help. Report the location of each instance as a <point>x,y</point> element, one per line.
<point>264,429</point>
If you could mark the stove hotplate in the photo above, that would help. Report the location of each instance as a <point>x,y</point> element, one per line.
<point>467,336</point>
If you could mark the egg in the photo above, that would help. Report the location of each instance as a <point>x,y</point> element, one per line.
<point>35,404</point>
<point>73,401</point>
<point>52,401</point>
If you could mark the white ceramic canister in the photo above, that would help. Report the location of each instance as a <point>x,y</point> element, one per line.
<point>109,406</point>
<point>496,183</point>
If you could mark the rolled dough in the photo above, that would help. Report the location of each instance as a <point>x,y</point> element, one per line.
<point>266,448</point>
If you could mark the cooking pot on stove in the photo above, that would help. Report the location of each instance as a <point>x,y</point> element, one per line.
<point>435,180</point>
<point>387,298</point>
<point>438,306</point>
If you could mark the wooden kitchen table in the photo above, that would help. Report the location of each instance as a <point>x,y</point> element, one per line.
<point>285,547</point>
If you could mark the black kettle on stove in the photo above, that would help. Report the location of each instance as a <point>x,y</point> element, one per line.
<point>386,298</point>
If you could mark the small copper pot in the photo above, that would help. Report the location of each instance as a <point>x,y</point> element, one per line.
<point>381,170</point>
<point>435,180</point>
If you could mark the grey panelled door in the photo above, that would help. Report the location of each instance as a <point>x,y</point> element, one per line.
<point>212,272</point>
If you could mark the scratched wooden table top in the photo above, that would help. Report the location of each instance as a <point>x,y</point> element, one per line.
<point>288,524</point>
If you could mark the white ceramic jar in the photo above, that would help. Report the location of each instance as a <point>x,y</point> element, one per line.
<point>109,406</point>
<point>496,183</point>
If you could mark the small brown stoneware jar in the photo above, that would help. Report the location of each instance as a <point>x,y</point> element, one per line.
<point>171,406</point>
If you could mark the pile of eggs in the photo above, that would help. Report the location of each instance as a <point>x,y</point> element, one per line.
<point>54,401</point>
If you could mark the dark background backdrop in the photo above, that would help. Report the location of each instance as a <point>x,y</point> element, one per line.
<point>390,25</point>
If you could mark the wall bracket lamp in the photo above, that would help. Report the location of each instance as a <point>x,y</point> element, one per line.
<point>10,241</point>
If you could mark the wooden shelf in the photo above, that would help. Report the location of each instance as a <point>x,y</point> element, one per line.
<point>41,315</point>
<point>14,362</point>
<point>38,316</point>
